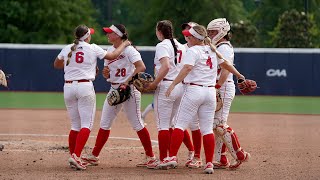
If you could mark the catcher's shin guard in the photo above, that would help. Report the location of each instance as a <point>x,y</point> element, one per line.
<point>231,141</point>
<point>220,152</point>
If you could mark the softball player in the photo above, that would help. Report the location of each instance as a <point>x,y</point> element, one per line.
<point>79,61</point>
<point>121,70</point>
<point>199,76</point>
<point>168,56</point>
<point>218,31</point>
<point>195,161</point>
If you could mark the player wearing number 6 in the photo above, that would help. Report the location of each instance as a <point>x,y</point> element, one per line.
<point>121,70</point>
<point>79,61</point>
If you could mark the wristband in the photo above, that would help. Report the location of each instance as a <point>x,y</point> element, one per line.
<point>217,86</point>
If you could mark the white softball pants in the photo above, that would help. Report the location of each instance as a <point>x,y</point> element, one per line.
<point>165,108</point>
<point>80,100</point>
<point>131,108</point>
<point>200,101</point>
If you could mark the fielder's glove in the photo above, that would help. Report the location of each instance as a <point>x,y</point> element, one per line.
<point>119,95</point>
<point>141,80</point>
<point>3,79</point>
<point>219,100</point>
<point>246,86</point>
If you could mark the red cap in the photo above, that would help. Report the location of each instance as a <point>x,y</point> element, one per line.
<point>91,30</point>
<point>107,30</point>
<point>186,33</point>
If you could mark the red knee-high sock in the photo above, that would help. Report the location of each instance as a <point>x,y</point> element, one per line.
<point>81,140</point>
<point>170,132</point>
<point>101,140</point>
<point>187,141</point>
<point>176,141</point>
<point>223,158</point>
<point>164,143</point>
<point>145,139</point>
<point>197,141</point>
<point>208,145</point>
<point>72,140</point>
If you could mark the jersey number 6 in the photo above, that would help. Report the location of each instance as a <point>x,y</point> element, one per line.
<point>79,57</point>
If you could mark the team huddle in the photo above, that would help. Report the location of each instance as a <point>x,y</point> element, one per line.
<point>186,80</point>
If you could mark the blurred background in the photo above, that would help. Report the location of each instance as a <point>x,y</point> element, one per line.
<point>276,42</point>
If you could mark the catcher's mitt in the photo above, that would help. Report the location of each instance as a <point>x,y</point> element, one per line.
<point>219,100</point>
<point>140,80</point>
<point>3,79</point>
<point>246,86</point>
<point>119,95</point>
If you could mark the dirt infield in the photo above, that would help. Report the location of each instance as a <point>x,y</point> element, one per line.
<point>282,147</point>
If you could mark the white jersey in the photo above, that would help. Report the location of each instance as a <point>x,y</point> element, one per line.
<point>204,62</point>
<point>226,49</point>
<point>83,61</point>
<point>122,67</point>
<point>165,49</point>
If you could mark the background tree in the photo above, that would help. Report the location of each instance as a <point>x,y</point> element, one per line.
<point>292,31</point>
<point>50,21</point>
<point>244,34</point>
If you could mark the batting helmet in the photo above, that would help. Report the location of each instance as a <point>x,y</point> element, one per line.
<point>221,25</point>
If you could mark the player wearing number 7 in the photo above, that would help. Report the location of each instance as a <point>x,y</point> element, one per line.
<point>121,70</point>
<point>79,61</point>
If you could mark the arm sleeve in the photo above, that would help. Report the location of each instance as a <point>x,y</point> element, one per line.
<point>190,57</point>
<point>101,53</point>
<point>162,51</point>
<point>63,55</point>
<point>133,55</point>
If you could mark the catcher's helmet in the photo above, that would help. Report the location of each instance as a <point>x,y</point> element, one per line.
<point>221,25</point>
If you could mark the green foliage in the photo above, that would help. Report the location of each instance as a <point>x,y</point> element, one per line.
<point>268,12</point>
<point>292,31</point>
<point>244,34</point>
<point>50,21</point>
<point>147,13</point>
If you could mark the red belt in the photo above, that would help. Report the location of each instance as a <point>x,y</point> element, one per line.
<point>114,83</point>
<point>198,85</point>
<point>165,79</point>
<point>81,80</point>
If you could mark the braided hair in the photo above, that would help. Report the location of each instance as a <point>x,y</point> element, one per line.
<point>166,28</point>
<point>79,31</point>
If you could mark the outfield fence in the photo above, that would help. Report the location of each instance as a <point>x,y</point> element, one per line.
<point>277,71</point>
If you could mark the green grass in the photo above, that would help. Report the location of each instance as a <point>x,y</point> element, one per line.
<point>258,104</point>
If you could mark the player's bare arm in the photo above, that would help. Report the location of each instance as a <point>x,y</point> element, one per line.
<point>58,63</point>
<point>223,77</point>
<point>118,51</point>
<point>163,71</point>
<point>228,66</point>
<point>182,74</point>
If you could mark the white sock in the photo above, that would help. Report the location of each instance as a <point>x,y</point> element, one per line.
<point>147,110</point>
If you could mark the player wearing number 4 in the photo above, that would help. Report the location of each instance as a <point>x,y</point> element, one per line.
<point>218,31</point>
<point>121,70</point>
<point>199,75</point>
<point>79,61</point>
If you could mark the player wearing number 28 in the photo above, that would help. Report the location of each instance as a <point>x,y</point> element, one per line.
<point>121,70</point>
<point>79,61</point>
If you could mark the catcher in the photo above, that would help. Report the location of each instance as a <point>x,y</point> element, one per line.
<point>218,31</point>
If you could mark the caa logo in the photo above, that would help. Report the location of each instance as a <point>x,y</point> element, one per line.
<point>276,72</point>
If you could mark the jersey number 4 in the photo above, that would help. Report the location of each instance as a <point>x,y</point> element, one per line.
<point>79,57</point>
<point>209,62</point>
